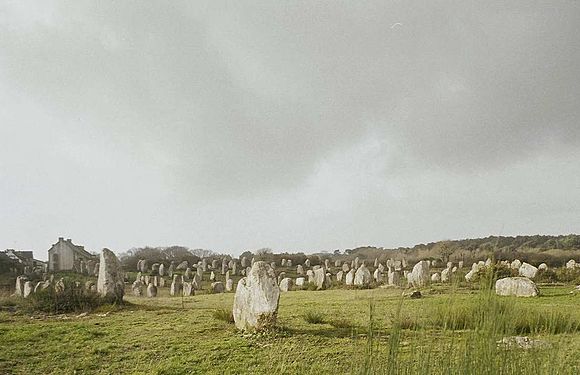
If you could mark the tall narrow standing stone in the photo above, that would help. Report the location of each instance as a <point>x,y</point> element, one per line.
<point>256,299</point>
<point>110,283</point>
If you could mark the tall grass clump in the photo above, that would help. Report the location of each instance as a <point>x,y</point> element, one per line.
<point>465,337</point>
<point>225,315</point>
<point>72,299</point>
<point>314,317</point>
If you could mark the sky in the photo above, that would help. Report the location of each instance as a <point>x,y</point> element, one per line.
<point>299,126</point>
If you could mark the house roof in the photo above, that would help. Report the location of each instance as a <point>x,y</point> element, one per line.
<point>76,248</point>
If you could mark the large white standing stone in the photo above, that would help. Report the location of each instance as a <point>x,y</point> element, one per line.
<point>256,299</point>
<point>110,283</point>
<point>20,280</point>
<point>300,281</point>
<point>285,284</point>
<point>362,275</point>
<point>28,289</point>
<point>339,276</point>
<point>229,285</point>
<point>151,291</point>
<point>420,275</point>
<point>320,279</point>
<point>527,270</point>
<point>516,286</point>
<point>349,279</point>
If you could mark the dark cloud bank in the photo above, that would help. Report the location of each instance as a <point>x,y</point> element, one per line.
<point>299,126</point>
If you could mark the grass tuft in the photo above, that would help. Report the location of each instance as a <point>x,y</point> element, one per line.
<point>224,315</point>
<point>314,317</point>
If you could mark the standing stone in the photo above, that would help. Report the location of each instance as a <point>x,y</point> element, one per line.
<point>215,264</point>
<point>161,282</point>
<point>161,269</point>
<point>203,265</point>
<point>283,262</point>
<point>155,268</point>
<point>234,268</point>
<point>393,277</point>
<point>182,266</point>
<point>310,275</point>
<point>571,264</point>
<point>256,299</point>
<point>543,267</point>
<point>110,283</point>
<point>285,284</point>
<point>516,264</point>
<point>362,276</point>
<point>349,277</point>
<point>454,269</point>
<point>217,287</point>
<point>170,270</point>
<point>300,281</point>
<point>224,266</point>
<point>460,264</point>
<point>176,285</point>
<point>319,278</point>
<point>527,270</point>
<point>281,275</point>
<point>516,286</point>
<point>378,276</point>
<point>144,266</point>
<point>139,265</point>
<point>28,289</point>
<point>229,285</point>
<point>188,274</point>
<point>137,288</point>
<point>339,276</point>
<point>188,289</point>
<point>376,264</point>
<point>227,275</point>
<point>212,276</point>
<point>59,286</point>
<point>252,261</point>
<point>420,275</point>
<point>196,282</point>
<point>445,275</point>
<point>20,280</point>
<point>307,263</point>
<point>273,264</point>
<point>345,267</point>
<point>356,263</point>
<point>381,267</point>
<point>326,263</point>
<point>337,263</point>
<point>244,262</point>
<point>199,272</point>
<point>289,263</point>
<point>299,270</point>
<point>436,277</point>
<point>151,291</point>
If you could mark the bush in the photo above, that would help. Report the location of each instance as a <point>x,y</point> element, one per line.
<point>72,299</point>
<point>224,315</point>
<point>314,317</point>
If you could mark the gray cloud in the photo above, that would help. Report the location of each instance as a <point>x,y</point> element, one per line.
<point>307,125</point>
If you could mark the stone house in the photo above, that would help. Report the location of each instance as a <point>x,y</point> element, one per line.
<point>66,256</point>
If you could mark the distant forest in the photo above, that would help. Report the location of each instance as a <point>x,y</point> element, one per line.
<point>554,250</point>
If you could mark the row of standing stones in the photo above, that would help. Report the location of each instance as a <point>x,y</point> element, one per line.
<point>258,292</point>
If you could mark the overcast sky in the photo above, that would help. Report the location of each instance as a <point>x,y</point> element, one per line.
<point>300,125</point>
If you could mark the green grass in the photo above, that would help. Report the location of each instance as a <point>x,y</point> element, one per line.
<point>450,330</point>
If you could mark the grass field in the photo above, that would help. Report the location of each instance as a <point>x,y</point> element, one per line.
<point>335,331</point>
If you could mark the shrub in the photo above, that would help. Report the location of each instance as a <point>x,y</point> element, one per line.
<point>73,299</point>
<point>314,317</point>
<point>225,315</point>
